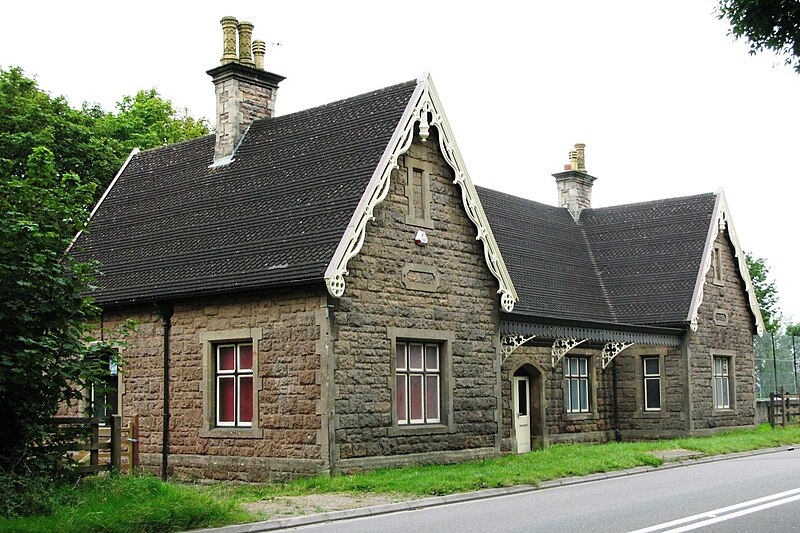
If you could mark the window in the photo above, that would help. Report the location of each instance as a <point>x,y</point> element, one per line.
<point>103,398</point>
<point>417,383</point>
<point>722,384</point>
<point>576,383</point>
<point>234,385</point>
<point>651,373</point>
<point>231,383</point>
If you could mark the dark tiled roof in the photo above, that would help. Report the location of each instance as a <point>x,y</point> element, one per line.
<point>546,256</point>
<point>629,264</point>
<point>172,227</point>
<point>648,255</point>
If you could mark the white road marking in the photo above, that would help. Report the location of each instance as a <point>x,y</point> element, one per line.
<point>725,513</point>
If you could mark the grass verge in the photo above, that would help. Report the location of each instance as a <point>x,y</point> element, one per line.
<point>129,504</point>
<point>145,504</point>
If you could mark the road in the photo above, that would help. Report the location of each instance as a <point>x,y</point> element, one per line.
<point>759,494</point>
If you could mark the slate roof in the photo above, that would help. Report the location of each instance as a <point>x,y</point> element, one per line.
<point>628,264</point>
<point>171,227</point>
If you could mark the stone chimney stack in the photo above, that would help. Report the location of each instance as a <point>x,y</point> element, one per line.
<point>574,184</point>
<point>245,91</point>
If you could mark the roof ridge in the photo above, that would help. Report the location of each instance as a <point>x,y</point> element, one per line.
<point>374,92</point>
<point>657,201</point>
<point>172,145</point>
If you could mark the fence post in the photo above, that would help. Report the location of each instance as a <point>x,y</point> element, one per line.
<point>94,440</point>
<point>784,405</point>
<point>774,362</point>
<point>794,366</point>
<point>116,444</point>
<point>134,443</point>
<point>771,410</point>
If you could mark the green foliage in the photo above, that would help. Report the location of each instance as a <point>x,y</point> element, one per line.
<point>54,162</point>
<point>767,25</point>
<point>529,468</point>
<point>127,504</point>
<point>88,142</point>
<point>793,330</point>
<point>766,292</point>
<point>147,121</point>
<point>43,341</point>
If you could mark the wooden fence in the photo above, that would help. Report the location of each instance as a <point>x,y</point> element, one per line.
<point>782,407</point>
<point>108,442</point>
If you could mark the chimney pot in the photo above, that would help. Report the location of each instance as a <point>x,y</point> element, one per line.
<point>244,93</point>
<point>259,50</point>
<point>229,25</point>
<point>245,36</point>
<point>574,184</point>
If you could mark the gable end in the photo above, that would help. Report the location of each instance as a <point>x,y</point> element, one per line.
<point>424,108</point>
<point>721,221</point>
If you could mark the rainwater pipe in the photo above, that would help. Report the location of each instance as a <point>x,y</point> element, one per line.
<point>166,321</point>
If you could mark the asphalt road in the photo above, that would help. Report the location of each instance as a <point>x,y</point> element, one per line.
<point>759,494</point>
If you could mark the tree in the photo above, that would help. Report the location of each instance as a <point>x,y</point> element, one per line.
<point>53,161</point>
<point>44,340</point>
<point>793,330</point>
<point>147,121</point>
<point>766,292</point>
<point>88,142</point>
<point>767,25</point>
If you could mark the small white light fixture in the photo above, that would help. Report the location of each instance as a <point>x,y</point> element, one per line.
<point>421,238</point>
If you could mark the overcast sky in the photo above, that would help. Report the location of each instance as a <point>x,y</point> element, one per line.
<point>667,103</point>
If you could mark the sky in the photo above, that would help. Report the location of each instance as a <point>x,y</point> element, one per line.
<point>667,103</point>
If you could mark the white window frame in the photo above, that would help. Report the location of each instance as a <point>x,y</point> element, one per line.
<point>236,374</point>
<point>647,377</point>
<point>721,380</point>
<point>422,372</point>
<point>208,341</point>
<point>583,376</point>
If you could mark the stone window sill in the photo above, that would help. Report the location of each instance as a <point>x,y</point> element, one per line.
<point>427,429</point>
<point>231,433</point>
<point>652,414</point>
<point>580,416</point>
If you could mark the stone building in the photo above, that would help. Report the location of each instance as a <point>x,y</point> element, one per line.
<point>327,291</point>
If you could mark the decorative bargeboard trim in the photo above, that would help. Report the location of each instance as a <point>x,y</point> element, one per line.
<point>424,108</point>
<point>720,222</point>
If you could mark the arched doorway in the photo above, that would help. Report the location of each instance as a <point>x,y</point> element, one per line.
<point>527,409</point>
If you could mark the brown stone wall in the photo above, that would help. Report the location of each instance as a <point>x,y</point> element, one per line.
<point>634,421</point>
<point>289,434</point>
<point>560,426</point>
<point>460,297</point>
<point>732,336</point>
<point>598,425</point>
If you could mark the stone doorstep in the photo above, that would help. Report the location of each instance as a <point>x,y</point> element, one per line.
<point>677,455</point>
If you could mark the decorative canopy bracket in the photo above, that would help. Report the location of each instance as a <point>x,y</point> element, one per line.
<point>561,347</point>
<point>612,349</point>
<point>509,343</point>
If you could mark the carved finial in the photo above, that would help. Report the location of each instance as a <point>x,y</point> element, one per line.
<point>259,50</point>
<point>229,25</point>
<point>245,36</point>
